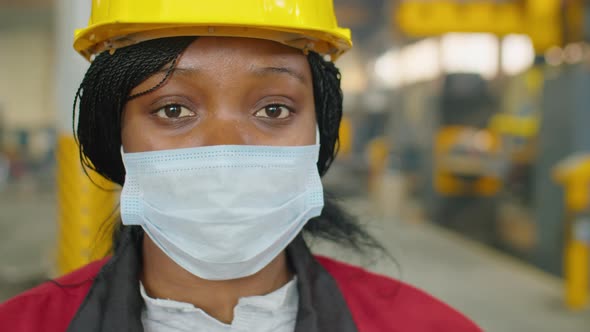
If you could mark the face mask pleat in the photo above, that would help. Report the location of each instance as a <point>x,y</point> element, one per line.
<point>222,212</point>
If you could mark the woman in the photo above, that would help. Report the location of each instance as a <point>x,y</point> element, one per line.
<point>219,127</point>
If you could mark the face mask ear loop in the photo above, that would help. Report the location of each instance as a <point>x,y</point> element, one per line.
<point>317,135</point>
<point>123,156</point>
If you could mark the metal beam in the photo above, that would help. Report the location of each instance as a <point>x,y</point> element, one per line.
<point>543,20</point>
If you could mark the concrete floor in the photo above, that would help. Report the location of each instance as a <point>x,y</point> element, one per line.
<point>497,292</point>
<point>27,238</point>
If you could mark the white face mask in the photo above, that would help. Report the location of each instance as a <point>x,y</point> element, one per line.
<point>222,212</point>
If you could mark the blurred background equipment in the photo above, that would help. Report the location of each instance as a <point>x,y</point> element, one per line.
<point>464,148</point>
<point>467,159</point>
<point>574,174</point>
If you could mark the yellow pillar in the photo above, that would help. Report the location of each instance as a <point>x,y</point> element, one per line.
<point>84,210</point>
<point>574,174</point>
<point>576,271</point>
<point>378,154</point>
<point>345,136</point>
<point>82,207</point>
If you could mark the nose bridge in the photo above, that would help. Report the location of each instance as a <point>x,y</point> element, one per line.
<point>218,130</point>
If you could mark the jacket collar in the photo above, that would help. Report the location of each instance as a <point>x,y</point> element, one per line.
<point>114,302</point>
<point>321,304</point>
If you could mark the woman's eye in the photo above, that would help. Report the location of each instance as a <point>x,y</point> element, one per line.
<point>174,111</point>
<point>274,112</point>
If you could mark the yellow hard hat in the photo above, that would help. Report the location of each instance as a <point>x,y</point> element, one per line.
<point>304,24</point>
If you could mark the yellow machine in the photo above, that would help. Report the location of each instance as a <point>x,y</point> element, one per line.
<point>550,24</point>
<point>467,162</point>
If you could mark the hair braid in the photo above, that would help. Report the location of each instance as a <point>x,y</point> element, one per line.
<point>105,90</point>
<point>328,102</point>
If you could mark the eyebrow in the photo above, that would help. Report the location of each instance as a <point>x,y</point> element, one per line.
<point>264,71</point>
<point>259,71</point>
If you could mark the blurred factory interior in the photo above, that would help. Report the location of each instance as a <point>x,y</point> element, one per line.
<point>465,130</point>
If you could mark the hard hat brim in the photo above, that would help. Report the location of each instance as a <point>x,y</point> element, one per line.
<point>111,36</point>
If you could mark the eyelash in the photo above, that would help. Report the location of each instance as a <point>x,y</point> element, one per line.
<point>182,108</point>
<point>282,106</point>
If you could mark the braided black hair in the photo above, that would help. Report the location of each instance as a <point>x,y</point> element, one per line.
<point>106,88</point>
<point>103,93</point>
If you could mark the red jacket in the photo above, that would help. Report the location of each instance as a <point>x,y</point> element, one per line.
<point>377,303</point>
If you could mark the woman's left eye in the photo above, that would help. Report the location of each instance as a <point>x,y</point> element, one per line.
<point>274,112</point>
<point>174,111</point>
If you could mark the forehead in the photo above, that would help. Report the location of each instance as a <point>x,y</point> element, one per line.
<point>232,52</point>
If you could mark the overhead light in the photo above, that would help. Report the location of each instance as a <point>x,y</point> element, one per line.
<point>470,53</point>
<point>414,63</point>
<point>518,54</point>
<point>421,61</point>
<point>573,53</point>
<point>387,69</point>
<point>554,56</point>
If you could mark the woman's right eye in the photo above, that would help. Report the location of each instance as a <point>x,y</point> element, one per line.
<point>174,111</point>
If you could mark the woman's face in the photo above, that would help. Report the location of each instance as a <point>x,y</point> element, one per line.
<point>225,91</point>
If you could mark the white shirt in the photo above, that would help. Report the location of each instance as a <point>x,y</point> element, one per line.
<point>276,312</point>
